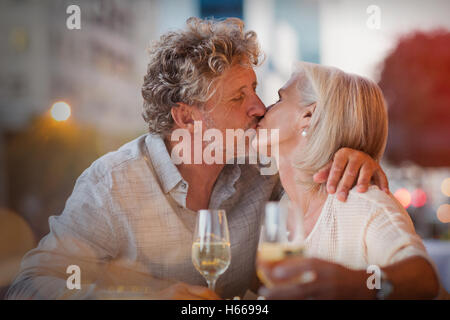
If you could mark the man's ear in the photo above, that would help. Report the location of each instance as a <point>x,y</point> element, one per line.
<point>183,116</point>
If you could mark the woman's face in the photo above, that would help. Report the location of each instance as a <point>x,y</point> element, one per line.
<point>286,115</point>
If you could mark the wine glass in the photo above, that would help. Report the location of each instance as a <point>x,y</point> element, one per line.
<point>211,254</point>
<point>282,236</point>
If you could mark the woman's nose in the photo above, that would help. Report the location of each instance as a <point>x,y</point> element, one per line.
<point>269,107</point>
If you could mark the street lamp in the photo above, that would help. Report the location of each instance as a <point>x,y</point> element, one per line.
<point>60,111</point>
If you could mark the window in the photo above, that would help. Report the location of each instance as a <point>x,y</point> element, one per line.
<point>221,9</point>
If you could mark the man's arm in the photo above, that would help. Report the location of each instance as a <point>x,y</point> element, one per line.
<point>81,236</point>
<point>86,235</point>
<point>350,167</point>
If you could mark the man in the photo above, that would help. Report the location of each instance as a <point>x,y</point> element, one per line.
<point>129,222</point>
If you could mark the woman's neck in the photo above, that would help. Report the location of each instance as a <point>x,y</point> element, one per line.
<point>310,202</point>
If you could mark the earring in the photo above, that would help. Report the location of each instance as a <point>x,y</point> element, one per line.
<point>304,133</point>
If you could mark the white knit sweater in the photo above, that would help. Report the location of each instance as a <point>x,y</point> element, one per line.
<point>370,228</point>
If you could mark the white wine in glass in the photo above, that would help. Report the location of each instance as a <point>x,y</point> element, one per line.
<point>281,237</point>
<point>211,253</point>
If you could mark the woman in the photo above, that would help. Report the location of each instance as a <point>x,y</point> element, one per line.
<point>320,110</point>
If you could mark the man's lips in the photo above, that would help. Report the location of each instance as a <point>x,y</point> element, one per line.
<point>253,126</point>
<point>258,123</point>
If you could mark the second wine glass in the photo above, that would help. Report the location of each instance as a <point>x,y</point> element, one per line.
<point>281,237</point>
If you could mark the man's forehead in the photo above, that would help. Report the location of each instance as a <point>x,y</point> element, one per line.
<point>237,77</point>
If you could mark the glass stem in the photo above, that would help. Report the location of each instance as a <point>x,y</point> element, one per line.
<point>212,284</point>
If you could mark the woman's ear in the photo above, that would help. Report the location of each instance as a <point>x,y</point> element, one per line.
<point>309,111</point>
<point>183,117</point>
<point>306,116</point>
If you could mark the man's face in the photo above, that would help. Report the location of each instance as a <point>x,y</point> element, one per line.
<point>235,104</point>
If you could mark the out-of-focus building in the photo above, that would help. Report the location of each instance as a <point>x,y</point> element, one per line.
<point>97,70</point>
<point>288,31</point>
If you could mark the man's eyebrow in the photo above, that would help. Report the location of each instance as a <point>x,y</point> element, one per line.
<point>254,85</point>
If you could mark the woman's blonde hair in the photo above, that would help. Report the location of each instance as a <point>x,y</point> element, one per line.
<point>350,112</point>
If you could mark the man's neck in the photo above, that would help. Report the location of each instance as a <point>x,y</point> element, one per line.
<point>201,179</point>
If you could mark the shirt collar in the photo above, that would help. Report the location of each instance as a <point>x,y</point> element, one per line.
<point>169,175</point>
<point>167,172</point>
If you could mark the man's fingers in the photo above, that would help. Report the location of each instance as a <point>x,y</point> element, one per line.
<point>349,179</point>
<point>289,292</point>
<point>202,292</point>
<point>381,180</point>
<point>322,175</point>
<point>336,171</point>
<point>365,175</point>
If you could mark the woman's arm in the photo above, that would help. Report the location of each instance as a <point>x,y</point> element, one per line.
<point>411,278</point>
<point>390,243</point>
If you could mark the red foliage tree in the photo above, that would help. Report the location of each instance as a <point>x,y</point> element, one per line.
<point>416,83</point>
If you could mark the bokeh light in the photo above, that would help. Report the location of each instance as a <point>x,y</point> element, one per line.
<point>60,111</point>
<point>403,196</point>
<point>443,213</point>
<point>418,198</point>
<point>445,187</point>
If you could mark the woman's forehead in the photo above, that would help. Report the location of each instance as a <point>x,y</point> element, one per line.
<point>290,85</point>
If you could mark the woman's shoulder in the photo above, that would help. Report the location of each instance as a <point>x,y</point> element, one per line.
<point>372,202</point>
<point>374,207</point>
<point>376,198</point>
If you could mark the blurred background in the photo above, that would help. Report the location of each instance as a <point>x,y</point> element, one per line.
<point>69,96</point>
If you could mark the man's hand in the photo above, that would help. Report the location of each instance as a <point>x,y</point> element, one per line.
<point>350,167</point>
<point>328,281</point>
<point>184,291</point>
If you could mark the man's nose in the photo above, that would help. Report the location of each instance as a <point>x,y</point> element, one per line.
<point>256,108</point>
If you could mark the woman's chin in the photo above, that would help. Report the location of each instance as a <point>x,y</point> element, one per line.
<point>254,143</point>
<point>261,145</point>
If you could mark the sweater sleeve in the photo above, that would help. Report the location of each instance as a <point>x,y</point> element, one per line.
<point>390,237</point>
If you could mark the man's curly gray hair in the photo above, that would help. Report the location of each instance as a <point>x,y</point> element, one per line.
<point>184,66</point>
